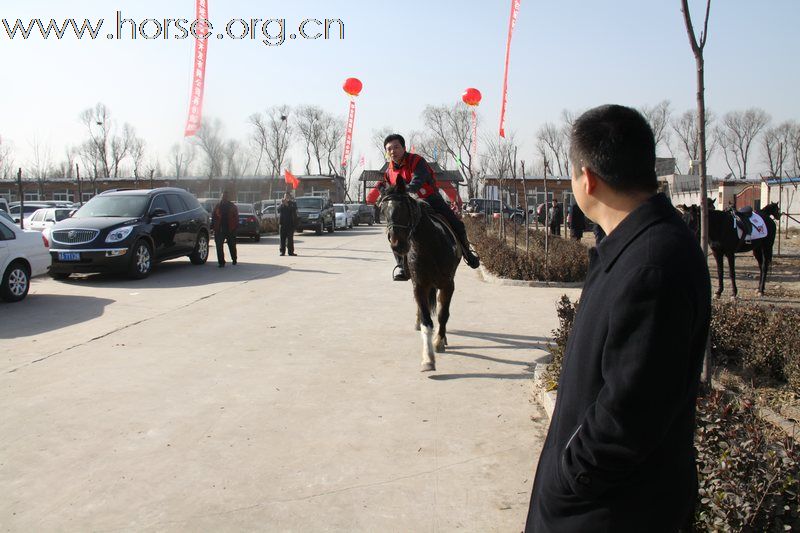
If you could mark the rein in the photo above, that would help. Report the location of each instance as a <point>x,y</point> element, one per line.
<point>413,207</point>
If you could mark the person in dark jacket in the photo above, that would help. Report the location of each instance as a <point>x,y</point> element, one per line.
<point>287,218</point>
<point>555,217</point>
<point>422,182</point>
<point>577,222</point>
<point>225,221</point>
<point>619,453</point>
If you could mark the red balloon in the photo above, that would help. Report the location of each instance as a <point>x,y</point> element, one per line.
<point>471,97</point>
<point>353,86</point>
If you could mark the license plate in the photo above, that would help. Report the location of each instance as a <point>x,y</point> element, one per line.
<point>69,256</point>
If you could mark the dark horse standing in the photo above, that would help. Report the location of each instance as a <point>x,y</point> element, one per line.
<point>724,241</point>
<point>433,255</point>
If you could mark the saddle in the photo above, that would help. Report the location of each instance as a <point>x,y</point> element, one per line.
<point>749,225</point>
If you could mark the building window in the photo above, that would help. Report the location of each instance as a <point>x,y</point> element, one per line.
<point>248,197</point>
<point>85,197</point>
<point>31,196</point>
<point>63,196</point>
<point>9,194</point>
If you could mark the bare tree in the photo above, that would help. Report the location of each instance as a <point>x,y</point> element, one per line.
<point>209,140</point>
<point>309,124</point>
<point>698,47</point>
<point>272,133</point>
<point>181,156</point>
<point>39,165</point>
<point>685,127</point>
<point>120,146</point>
<point>550,139</point>
<point>451,129</point>
<point>795,149</point>
<point>377,139</point>
<point>98,124</point>
<point>333,132</point>
<point>659,117</point>
<point>137,151</point>
<point>736,134</point>
<point>6,159</point>
<point>777,145</point>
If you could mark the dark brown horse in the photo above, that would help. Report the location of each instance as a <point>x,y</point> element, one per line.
<point>724,241</point>
<point>433,254</point>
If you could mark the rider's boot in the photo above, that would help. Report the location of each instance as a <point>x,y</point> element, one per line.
<point>401,270</point>
<point>469,256</point>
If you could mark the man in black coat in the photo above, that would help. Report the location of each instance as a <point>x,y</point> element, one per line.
<point>287,220</point>
<point>619,453</point>
<point>555,218</point>
<point>577,222</point>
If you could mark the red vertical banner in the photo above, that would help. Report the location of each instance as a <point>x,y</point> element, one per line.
<point>195,118</point>
<point>474,133</point>
<point>348,140</point>
<point>515,4</point>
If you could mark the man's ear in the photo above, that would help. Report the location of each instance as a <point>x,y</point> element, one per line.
<point>591,181</point>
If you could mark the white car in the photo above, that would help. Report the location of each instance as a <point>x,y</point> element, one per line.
<point>344,216</point>
<point>23,255</point>
<point>47,217</point>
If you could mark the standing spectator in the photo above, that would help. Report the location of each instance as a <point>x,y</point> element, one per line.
<point>287,217</point>
<point>555,217</point>
<point>225,222</point>
<point>619,453</point>
<point>577,222</point>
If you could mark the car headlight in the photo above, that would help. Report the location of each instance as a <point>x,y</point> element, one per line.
<point>119,234</point>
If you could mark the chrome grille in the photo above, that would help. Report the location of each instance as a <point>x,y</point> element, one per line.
<point>74,236</point>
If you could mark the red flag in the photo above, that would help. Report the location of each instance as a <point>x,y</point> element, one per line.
<point>195,118</point>
<point>511,23</point>
<point>291,179</point>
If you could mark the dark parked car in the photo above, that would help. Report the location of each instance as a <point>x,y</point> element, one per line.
<point>365,214</point>
<point>129,231</point>
<point>249,222</point>
<point>29,209</point>
<point>315,212</point>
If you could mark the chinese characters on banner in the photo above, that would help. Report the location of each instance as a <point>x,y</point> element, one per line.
<point>515,4</point>
<point>198,71</point>
<point>348,140</point>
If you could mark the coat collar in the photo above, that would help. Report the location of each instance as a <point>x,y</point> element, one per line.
<point>656,208</point>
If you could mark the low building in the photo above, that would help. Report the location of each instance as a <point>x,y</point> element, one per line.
<point>249,189</point>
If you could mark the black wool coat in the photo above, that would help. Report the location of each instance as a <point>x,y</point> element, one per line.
<point>619,454</point>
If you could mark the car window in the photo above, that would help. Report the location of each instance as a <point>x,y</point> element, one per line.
<point>38,215</point>
<point>176,205</point>
<point>113,206</point>
<point>309,203</point>
<point>62,214</point>
<point>190,201</point>
<point>245,209</point>
<point>6,233</point>
<point>6,216</point>
<point>159,202</point>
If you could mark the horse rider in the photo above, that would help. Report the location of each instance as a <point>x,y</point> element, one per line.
<point>421,181</point>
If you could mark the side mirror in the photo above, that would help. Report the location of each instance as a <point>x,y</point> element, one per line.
<point>158,212</point>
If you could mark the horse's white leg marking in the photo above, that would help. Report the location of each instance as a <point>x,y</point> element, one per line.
<point>428,358</point>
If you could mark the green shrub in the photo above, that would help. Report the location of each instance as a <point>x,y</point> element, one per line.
<point>748,474</point>
<point>567,260</point>
<point>566,316</point>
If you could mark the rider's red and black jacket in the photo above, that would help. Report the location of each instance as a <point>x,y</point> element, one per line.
<point>416,172</point>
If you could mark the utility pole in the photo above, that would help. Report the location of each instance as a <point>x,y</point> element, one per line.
<point>21,199</point>
<point>78,176</point>
<point>546,221</point>
<point>525,193</point>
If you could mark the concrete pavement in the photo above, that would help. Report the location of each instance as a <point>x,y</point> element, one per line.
<point>283,394</point>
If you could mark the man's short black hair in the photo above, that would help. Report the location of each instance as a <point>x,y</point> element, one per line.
<point>394,137</point>
<point>617,143</point>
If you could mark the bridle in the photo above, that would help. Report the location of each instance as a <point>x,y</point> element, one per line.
<point>413,208</point>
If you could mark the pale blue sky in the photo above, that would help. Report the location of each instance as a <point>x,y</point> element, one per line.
<point>569,54</point>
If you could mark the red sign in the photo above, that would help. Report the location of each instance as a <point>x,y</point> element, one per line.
<point>195,118</point>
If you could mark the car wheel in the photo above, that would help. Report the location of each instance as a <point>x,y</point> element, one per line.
<point>319,229</point>
<point>59,275</point>
<point>141,261</point>
<point>16,282</point>
<point>200,254</point>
